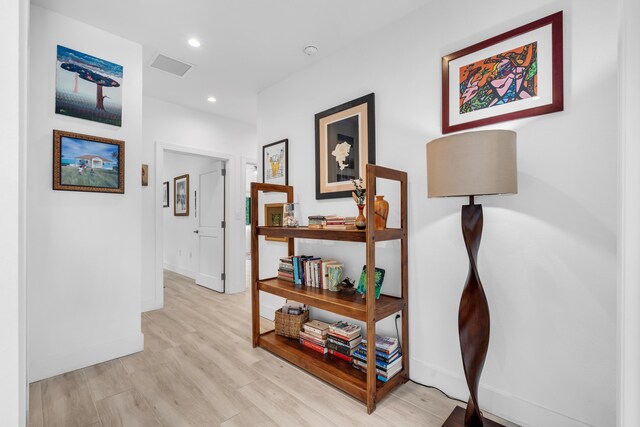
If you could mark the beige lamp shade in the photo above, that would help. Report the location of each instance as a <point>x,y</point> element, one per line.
<point>472,164</point>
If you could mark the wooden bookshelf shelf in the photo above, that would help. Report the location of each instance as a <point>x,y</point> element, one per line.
<point>331,369</point>
<point>336,235</point>
<point>363,386</point>
<point>352,306</point>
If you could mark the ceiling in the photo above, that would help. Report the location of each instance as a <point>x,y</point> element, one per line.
<point>247,45</point>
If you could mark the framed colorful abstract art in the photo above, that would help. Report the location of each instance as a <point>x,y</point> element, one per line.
<point>275,163</point>
<point>345,143</point>
<point>510,76</point>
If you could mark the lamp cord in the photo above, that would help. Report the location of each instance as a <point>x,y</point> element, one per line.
<point>415,382</point>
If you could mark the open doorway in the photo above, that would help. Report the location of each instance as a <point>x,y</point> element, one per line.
<point>194,220</point>
<point>251,175</point>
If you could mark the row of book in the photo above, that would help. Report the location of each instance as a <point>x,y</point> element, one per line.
<point>340,223</point>
<point>311,271</point>
<point>388,357</point>
<point>344,340</point>
<point>339,339</point>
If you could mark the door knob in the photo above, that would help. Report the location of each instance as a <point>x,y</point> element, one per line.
<point>196,231</point>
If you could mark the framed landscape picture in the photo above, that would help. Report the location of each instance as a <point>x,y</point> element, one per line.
<point>513,75</point>
<point>345,143</point>
<point>165,197</point>
<point>273,216</point>
<point>87,163</point>
<point>181,195</point>
<point>275,163</point>
<point>88,88</point>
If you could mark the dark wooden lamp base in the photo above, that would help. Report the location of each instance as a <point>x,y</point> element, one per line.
<point>456,419</point>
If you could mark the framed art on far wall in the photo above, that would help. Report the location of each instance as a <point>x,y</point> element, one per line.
<point>181,195</point>
<point>275,163</point>
<point>345,143</point>
<point>165,197</point>
<point>513,75</point>
<point>87,163</point>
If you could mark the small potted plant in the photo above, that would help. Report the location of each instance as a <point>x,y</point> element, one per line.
<point>359,196</point>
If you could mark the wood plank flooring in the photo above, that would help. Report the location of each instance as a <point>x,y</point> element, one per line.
<point>198,369</point>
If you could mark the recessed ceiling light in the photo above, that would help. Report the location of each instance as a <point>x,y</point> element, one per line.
<point>211,99</point>
<point>194,42</point>
<point>310,50</point>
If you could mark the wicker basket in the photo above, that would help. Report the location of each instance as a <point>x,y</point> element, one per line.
<point>289,325</point>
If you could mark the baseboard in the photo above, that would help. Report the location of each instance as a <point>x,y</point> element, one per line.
<point>151,304</point>
<point>494,401</point>
<point>268,312</point>
<point>185,272</point>
<point>88,356</point>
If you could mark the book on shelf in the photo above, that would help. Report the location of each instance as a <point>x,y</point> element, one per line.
<point>345,330</point>
<point>313,338</point>
<point>312,346</point>
<point>316,327</point>
<point>285,269</point>
<point>388,357</point>
<point>340,355</point>
<point>353,343</point>
<point>340,223</point>
<point>317,221</point>
<point>311,271</point>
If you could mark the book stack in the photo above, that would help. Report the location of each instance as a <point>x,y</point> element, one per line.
<point>343,339</point>
<point>317,221</point>
<point>340,223</point>
<point>314,272</point>
<point>388,357</point>
<point>285,269</point>
<point>314,336</point>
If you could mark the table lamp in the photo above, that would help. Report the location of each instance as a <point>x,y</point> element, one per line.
<point>472,164</point>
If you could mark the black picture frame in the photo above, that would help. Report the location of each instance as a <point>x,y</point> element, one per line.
<point>266,149</point>
<point>165,202</point>
<point>336,183</point>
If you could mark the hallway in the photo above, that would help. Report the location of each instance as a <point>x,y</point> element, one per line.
<point>198,369</point>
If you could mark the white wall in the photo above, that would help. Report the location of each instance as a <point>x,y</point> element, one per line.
<point>180,242</point>
<point>183,129</point>
<point>13,31</point>
<point>83,297</point>
<point>629,228</point>
<point>548,255</point>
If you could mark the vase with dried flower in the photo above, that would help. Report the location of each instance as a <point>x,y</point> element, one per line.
<point>359,196</point>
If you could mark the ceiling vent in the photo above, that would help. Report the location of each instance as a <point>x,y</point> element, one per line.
<point>170,65</point>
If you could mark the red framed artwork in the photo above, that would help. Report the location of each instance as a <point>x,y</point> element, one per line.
<point>513,75</point>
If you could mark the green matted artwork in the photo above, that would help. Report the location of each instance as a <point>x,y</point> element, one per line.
<point>362,283</point>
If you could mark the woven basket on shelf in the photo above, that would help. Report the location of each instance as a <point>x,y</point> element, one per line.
<point>289,325</point>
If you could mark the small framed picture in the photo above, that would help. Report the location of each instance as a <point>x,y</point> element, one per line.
<point>145,175</point>
<point>273,216</point>
<point>181,195</point>
<point>510,76</point>
<point>275,163</point>
<point>165,198</point>
<point>345,143</point>
<point>87,163</point>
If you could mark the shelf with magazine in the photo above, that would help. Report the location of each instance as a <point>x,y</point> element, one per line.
<point>346,373</point>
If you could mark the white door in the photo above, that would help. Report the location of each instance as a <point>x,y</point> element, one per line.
<point>211,230</point>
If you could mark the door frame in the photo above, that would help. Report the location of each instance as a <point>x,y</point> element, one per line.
<point>234,274</point>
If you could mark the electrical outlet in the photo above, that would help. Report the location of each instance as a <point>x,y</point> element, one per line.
<point>180,252</point>
<point>190,255</point>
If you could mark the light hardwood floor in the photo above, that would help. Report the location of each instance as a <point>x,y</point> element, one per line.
<point>198,369</point>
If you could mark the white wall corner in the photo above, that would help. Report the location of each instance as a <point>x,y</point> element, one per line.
<point>40,369</point>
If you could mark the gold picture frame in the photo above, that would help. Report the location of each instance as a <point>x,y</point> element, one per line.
<point>273,217</point>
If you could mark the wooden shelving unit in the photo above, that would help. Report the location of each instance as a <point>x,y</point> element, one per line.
<point>335,371</point>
